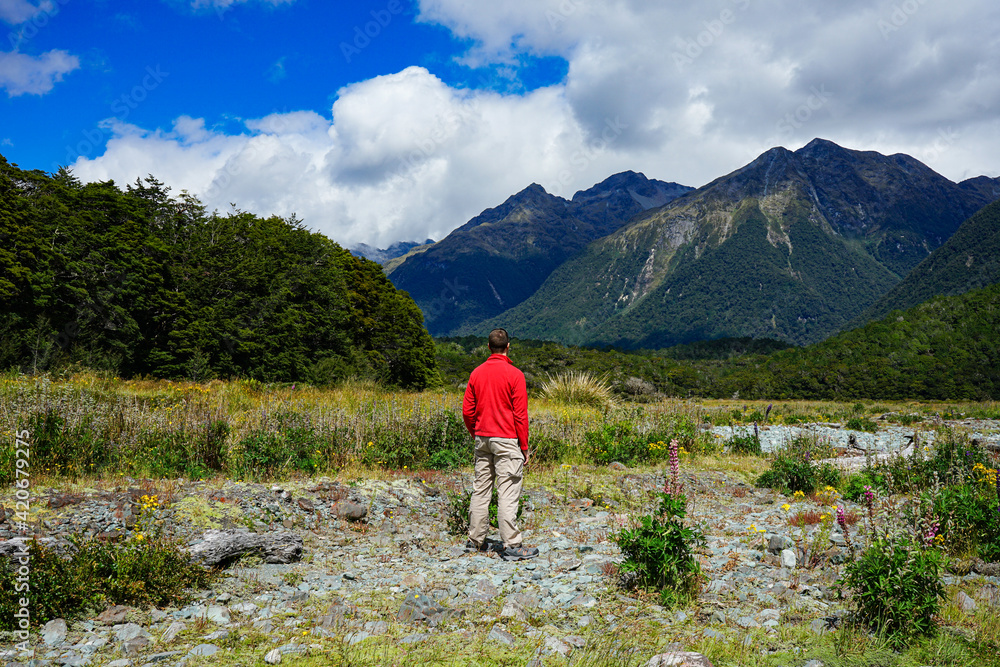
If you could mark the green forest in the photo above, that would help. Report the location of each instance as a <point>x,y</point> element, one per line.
<point>138,282</point>
<point>944,349</point>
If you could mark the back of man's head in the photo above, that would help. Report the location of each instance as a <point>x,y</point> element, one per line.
<point>498,340</point>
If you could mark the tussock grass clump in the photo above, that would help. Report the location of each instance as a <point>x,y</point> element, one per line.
<point>579,388</point>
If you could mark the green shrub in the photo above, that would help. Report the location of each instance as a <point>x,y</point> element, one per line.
<point>659,553</point>
<point>896,589</point>
<point>614,441</point>
<point>744,444</point>
<point>448,443</point>
<point>546,449</point>
<point>862,424</point>
<point>66,450</point>
<point>790,474</point>
<point>258,454</point>
<point>137,572</point>
<point>970,520</point>
<point>458,511</point>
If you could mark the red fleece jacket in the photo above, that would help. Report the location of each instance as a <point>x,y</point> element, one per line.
<point>496,401</point>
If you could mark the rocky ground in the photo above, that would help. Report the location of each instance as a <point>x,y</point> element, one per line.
<point>379,569</point>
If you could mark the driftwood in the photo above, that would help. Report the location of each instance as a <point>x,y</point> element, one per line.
<point>218,547</point>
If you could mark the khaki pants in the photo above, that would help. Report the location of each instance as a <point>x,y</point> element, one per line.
<point>500,458</point>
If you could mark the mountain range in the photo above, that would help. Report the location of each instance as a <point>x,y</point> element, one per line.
<point>795,246</point>
<point>501,257</point>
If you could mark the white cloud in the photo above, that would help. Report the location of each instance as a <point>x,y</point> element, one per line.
<point>16,12</point>
<point>36,75</point>
<point>683,93</point>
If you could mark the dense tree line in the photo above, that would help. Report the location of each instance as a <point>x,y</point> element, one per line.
<point>138,282</point>
<point>944,349</point>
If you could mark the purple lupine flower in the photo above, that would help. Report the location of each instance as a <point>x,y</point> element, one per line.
<point>869,496</point>
<point>672,484</point>
<point>841,518</point>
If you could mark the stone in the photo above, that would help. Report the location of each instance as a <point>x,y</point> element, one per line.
<point>218,614</point>
<point>420,608</point>
<point>172,631</point>
<point>814,663</point>
<point>553,645</point>
<point>679,659</point>
<point>135,645</point>
<point>787,558</point>
<point>113,615</point>
<point>54,632</point>
<point>819,626</point>
<point>514,609</point>
<point>498,634</point>
<point>130,631</point>
<point>204,650</point>
<point>273,657</point>
<point>154,658</point>
<point>964,602</point>
<point>351,511</point>
<point>778,543</point>
<point>305,505</point>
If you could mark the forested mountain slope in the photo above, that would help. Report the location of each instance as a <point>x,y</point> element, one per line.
<point>137,282</point>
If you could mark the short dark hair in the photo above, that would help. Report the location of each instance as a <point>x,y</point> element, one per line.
<point>499,340</point>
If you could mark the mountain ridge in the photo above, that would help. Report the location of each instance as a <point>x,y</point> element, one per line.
<point>830,231</point>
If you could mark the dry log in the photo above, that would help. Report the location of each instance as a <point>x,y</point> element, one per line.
<point>220,547</point>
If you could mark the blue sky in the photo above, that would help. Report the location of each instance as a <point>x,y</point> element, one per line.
<point>446,107</point>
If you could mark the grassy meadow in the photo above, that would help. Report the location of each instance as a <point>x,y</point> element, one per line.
<point>90,430</point>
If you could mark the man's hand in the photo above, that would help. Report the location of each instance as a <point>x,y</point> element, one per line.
<point>527,454</point>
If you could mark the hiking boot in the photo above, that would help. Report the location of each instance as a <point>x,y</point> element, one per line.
<point>471,546</point>
<point>519,553</point>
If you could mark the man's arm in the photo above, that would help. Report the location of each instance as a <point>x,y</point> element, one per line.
<point>519,402</point>
<point>469,409</point>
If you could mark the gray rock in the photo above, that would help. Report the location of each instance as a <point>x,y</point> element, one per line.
<point>553,645</point>
<point>122,662</point>
<point>135,645</point>
<point>819,626</point>
<point>218,614</point>
<point>421,608</point>
<point>54,632</point>
<point>346,509</point>
<point>415,638</point>
<point>204,650</point>
<point>130,631</point>
<point>273,657</point>
<point>814,663</point>
<point>157,657</point>
<point>679,659</point>
<point>778,543</point>
<point>514,609</point>
<point>709,633</point>
<point>965,603</point>
<point>498,634</point>
<point>787,558</point>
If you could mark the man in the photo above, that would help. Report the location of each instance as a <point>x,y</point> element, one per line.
<point>495,411</point>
